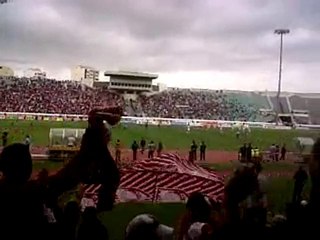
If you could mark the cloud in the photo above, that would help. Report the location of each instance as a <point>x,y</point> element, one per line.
<point>204,40</point>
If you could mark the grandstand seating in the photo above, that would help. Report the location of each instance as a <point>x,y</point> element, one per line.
<point>248,98</point>
<point>301,120</point>
<point>51,96</point>
<point>69,97</point>
<point>313,107</point>
<point>197,104</point>
<point>281,106</point>
<point>298,103</point>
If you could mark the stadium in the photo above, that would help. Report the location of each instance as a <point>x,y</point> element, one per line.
<point>112,154</point>
<point>176,117</point>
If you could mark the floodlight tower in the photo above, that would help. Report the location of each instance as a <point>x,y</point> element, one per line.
<point>280,32</point>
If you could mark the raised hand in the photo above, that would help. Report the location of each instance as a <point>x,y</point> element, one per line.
<point>111,115</point>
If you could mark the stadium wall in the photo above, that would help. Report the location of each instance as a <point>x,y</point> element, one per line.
<point>153,121</point>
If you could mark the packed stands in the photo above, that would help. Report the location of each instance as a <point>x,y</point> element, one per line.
<point>196,104</point>
<point>70,97</point>
<point>51,96</point>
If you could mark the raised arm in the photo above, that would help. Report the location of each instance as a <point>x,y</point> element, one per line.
<point>93,163</point>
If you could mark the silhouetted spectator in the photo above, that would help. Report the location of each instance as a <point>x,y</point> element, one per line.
<point>199,231</point>
<point>256,212</point>
<point>22,200</point>
<point>70,220</point>
<point>239,187</point>
<point>91,228</point>
<point>300,178</point>
<point>147,227</point>
<point>249,153</point>
<point>199,209</point>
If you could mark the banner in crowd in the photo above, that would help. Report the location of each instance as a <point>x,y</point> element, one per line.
<point>168,178</point>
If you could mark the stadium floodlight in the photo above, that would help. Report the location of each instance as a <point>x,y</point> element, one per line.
<point>280,32</point>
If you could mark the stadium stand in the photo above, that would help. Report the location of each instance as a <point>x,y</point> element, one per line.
<point>248,98</point>
<point>51,96</point>
<point>313,107</point>
<point>281,106</point>
<point>196,104</point>
<point>298,103</point>
<point>70,97</point>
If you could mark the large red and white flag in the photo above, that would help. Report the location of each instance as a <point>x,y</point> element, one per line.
<point>168,178</point>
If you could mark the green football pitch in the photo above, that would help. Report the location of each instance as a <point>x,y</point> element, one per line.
<point>172,137</point>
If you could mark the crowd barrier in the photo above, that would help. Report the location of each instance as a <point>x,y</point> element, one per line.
<point>153,121</point>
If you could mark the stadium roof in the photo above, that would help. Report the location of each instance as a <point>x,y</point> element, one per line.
<point>130,74</point>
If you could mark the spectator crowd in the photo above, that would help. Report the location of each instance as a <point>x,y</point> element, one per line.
<point>51,96</point>
<point>69,97</point>
<point>196,105</point>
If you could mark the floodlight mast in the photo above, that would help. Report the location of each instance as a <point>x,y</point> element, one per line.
<point>280,32</point>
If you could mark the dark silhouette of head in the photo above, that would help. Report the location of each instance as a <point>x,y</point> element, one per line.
<point>71,212</point>
<point>258,168</point>
<point>199,207</point>
<point>147,227</point>
<point>89,214</point>
<point>43,176</point>
<point>16,163</point>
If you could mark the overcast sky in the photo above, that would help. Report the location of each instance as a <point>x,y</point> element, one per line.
<point>219,44</point>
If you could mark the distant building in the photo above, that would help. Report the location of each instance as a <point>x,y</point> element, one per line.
<point>130,82</point>
<point>162,87</point>
<point>35,73</point>
<point>6,72</point>
<point>84,74</point>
